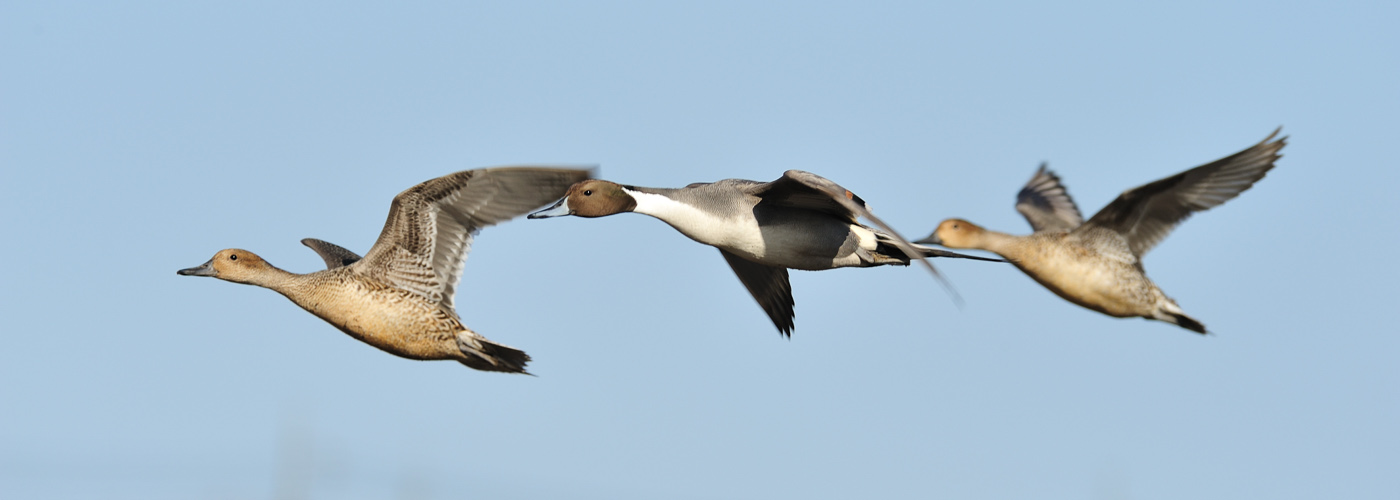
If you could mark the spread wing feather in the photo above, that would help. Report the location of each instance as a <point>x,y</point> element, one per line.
<point>1148,213</point>
<point>1046,204</point>
<point>431,226</point>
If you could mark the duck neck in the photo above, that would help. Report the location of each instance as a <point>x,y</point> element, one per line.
<point>1003,244</point>
<point>692,221</point>
<point>659,203</point>
<point>277,280</point>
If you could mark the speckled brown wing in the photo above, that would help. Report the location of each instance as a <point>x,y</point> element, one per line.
<point>431,226</point>
<point>1046,204</point>
<point>1146,214</point>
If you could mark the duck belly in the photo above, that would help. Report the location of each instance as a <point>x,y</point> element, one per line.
<point>1113,288</point>
<point>811,244</point>
<point>394,321</point>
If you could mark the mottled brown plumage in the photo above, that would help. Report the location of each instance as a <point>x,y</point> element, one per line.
<point>1098,264</point>
<point>399,297</point>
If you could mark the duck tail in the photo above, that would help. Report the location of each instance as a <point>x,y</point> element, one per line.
<point>1171,313</point>
<point>934,252</point>
<point>485,355</point>
<point>1168,311</point>
<point>887,246</point>
<point>1186,322</point>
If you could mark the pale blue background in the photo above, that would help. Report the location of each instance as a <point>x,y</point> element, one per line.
<point>139,138</point>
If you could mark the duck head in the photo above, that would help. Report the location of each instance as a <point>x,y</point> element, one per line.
<point>238,266</point>
<point>590,198</point>
<point>955,233</point>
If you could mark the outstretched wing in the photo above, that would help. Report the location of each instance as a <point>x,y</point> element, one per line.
<point>1046,203</point>
<point>1146,214</point>
<point>431,226</point>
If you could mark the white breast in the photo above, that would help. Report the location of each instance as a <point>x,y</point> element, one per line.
<point>738,234</point>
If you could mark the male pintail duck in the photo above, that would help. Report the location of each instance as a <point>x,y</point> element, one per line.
<point>1098,264</point>
<point>399,297</point>
<point>800,221</point>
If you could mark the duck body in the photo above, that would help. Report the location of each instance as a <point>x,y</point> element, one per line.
<point>1097,264</point>
<point>799,221</point>
<point>769,234</point>
<point>390,318</point>
<point>399,298</point>
<point>394,320</point>
<point>1095,271</point>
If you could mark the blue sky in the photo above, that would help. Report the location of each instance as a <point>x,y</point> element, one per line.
<point>140,138</point>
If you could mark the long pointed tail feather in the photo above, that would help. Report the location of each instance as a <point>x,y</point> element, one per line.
<point>935,252</point>
<point>1186,322</point>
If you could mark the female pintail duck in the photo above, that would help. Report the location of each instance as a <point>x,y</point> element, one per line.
<point>800,221</point>
<point>399,297</point>
<point>1098,264</point>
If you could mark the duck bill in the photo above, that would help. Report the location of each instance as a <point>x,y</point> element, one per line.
<point>558,210</point>
<point>205,269</point>
<point>932,239</point>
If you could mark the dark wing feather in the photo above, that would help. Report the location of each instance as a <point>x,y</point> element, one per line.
<point>769,286</point>
<point>807,190</point>
<point>431,226</point>
<point>1146,214</point>
<point>1046,204</point>
<point>334,255</point>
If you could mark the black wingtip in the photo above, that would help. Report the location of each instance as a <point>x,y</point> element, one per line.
<point>784,325</point>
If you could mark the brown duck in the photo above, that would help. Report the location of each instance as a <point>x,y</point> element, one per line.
<point>399,297</point>
<point>1098,264</point>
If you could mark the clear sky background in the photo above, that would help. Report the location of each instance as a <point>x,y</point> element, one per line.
<point>140,138</point>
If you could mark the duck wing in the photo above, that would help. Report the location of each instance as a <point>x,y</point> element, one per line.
<point>809,191</point>
<point>769,286</point>
<point>799,189</point>
<point>431,226</point>
<point>1046,204</point>
<point>1146,214</point>
<point>334,255</point>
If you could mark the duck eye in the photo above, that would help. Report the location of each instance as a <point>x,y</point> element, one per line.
<point>233,256</point>
<point>588,192</point>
